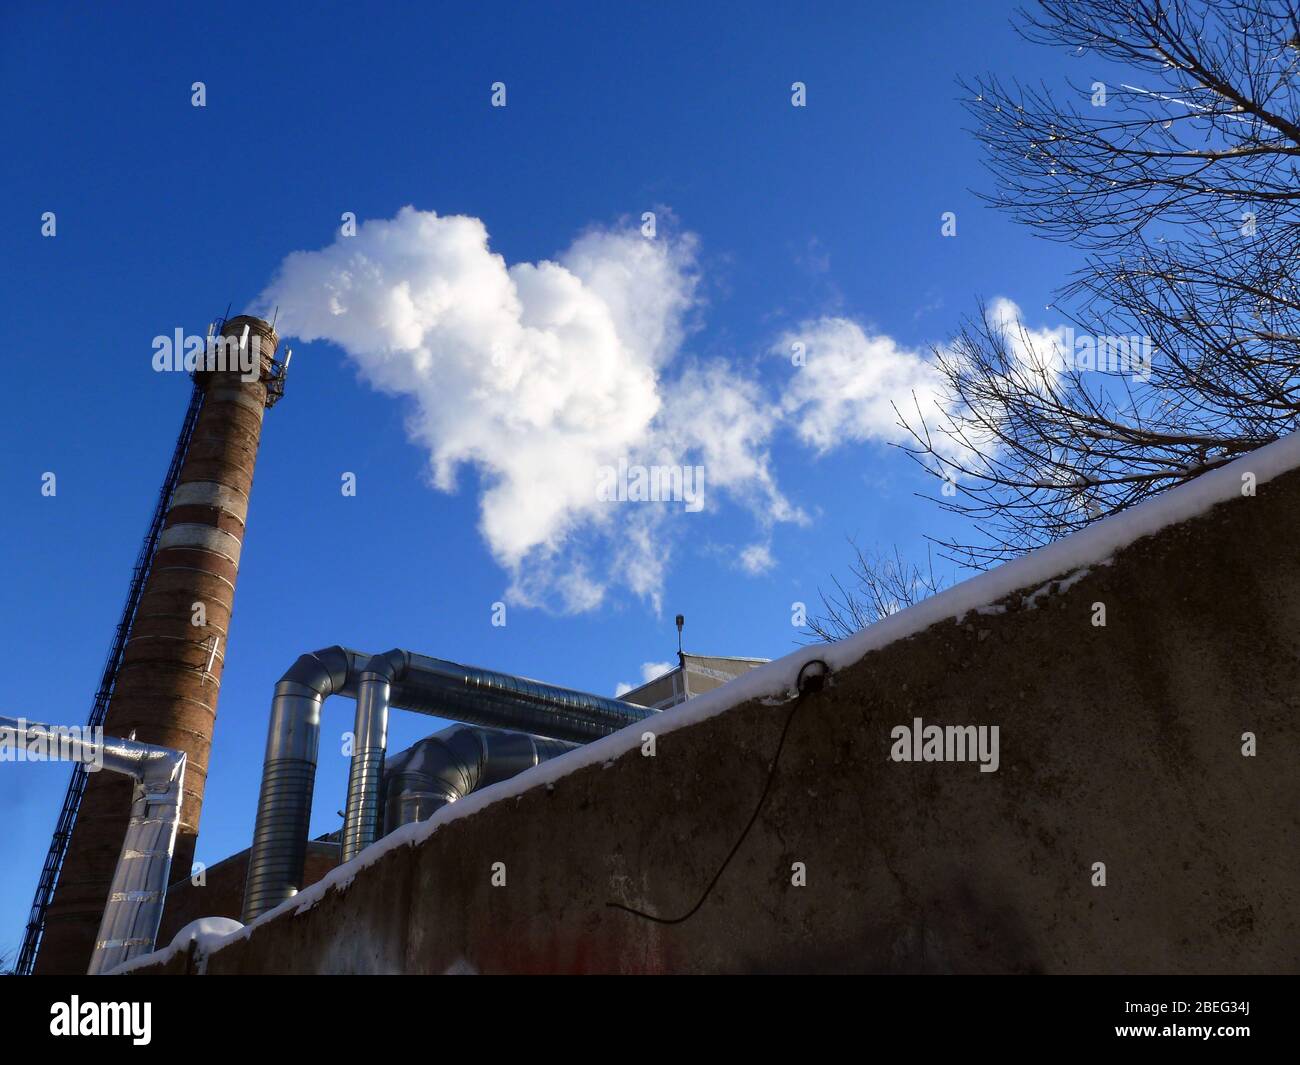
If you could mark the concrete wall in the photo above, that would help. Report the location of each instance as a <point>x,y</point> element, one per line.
<point>1119,744</point>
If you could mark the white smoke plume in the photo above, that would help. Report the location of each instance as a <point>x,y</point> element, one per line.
<point>537,374</point>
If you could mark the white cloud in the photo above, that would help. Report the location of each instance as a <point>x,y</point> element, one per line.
<point>651,670</point>
<point>757,559</point>
<point>1037,359</point>
<point>726,418</point>
<point>1041,352</point>
<point>846,390</point>
<point>854,384</point>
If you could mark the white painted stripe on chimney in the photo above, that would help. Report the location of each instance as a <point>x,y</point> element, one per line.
<point>211,494</point>
<point>204,536</point>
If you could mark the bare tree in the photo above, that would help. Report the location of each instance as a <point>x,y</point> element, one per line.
<point>882,585</point>
<point>1179,181</point>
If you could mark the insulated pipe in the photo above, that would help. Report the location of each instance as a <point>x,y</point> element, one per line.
<point>362,813</point>
<point>449,689</point>
<point>500,700</point>
<point>447,766</point>
<point>279,849</point>
<point>138,888</point>
<point>426,685</point>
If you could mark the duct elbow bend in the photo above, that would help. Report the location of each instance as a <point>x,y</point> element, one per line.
<point>161,771</point>
<point>391,666</point>
<point>278,853</point>
<point>449,765</point>
<point>436,771</point>
<point>129,924</point>
<point>324,672</point>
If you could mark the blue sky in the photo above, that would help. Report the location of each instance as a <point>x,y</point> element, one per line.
<point>782,218</point>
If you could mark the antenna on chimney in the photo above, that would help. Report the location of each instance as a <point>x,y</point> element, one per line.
<point>681,657</point>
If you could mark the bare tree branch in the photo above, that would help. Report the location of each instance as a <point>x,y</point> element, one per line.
<point>1181,184</point>
<point>881,585</point>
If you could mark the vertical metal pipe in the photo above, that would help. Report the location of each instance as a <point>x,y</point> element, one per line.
<point>362,815</point>
<point>279,851</point>
<point>139,889</point>
<point>284,804</point>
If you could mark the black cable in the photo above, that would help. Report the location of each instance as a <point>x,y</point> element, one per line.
<point>814,684</point>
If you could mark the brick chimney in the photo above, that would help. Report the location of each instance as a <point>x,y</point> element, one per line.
<point>166,691</point>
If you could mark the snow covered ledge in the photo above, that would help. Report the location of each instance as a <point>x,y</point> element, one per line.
<point>1041,572</point>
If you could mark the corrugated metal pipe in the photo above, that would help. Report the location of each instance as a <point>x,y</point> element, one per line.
<point>447,766</point>
<point>399,679</point>
<point>361,814</point>
<point>138,890</point>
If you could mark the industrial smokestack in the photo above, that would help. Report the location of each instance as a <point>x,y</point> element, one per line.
<point>166,690</point>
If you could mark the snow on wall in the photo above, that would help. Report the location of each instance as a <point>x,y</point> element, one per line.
<point>208,932</point>
<point>1066,561</point>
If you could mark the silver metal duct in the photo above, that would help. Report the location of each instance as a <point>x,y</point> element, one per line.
<point>361,815</point>
<point>447,766</point>
<point>279,850</point>
<point>134,909</point>
<point>414,682</point>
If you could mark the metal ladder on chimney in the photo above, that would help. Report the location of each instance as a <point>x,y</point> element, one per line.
<point>108,680</point>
